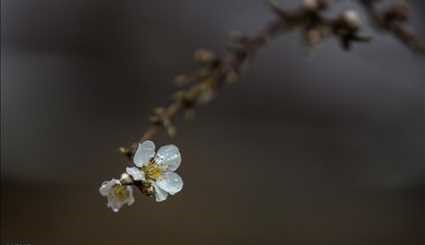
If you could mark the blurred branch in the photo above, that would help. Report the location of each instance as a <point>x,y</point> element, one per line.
<point>393,20</point>
<point>202,85</point>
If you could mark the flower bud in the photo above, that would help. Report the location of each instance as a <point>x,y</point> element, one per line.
<point>352,19</point>
<point>182,80</point>
<point>313,5</point>
<point>204,56</point>
<point>126,179</point>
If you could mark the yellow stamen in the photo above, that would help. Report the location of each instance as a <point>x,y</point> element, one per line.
<point>121,192</point>
<point>152,171</point>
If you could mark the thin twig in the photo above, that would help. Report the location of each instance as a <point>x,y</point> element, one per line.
<point>393,20</point>
<point>202,85</point>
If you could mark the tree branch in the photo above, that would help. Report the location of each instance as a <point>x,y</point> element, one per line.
<point>393,20</point>
<point>202,85</point>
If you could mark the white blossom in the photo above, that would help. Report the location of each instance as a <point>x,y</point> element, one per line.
<point>157,169</point>
<point>116,194</point>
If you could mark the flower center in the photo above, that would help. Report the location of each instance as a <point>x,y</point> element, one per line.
<point>121,192</point>
<point>152,171</point>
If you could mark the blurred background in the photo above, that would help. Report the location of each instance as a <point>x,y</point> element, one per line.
<point>319,149</point>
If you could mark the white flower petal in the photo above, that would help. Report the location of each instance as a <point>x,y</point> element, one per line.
<point>130,199</point>
<point>144,153</point>
<point>106,186</point>
<point>114,204</point>
<point>170,182</point>
<point>136,173</point>
<point>160,194</point>
<point>169,156</point>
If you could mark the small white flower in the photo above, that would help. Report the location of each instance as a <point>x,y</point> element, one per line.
<point>117,194</point>
<point>157,169</point>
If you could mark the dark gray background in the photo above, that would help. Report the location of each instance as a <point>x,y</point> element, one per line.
<point>321,149</point>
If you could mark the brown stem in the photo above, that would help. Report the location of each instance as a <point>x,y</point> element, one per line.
<point>392,20</point>
<point>215,72</point>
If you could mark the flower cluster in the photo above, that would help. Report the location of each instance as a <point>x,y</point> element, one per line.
<point>153,173</point>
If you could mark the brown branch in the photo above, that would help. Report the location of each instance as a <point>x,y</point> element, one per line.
<point>202,85</point>
<point>393,20</point>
